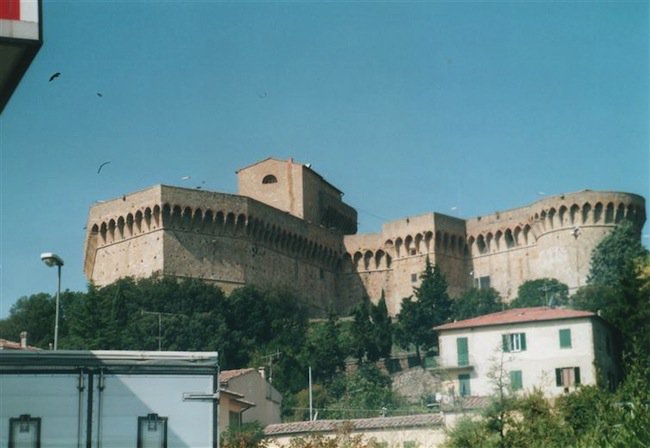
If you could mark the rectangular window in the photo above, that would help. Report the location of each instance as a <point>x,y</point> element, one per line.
<point>152,431</point>
<point>414,278</point>
<point>25,431</point>
<point>567,376</point>
<point>565,338</point>
<point>463,352</point>
<point>513,342</point>
<point>234,419</point>
<point>463,385</point>
<point>516,381</point>
<point>482,282</point>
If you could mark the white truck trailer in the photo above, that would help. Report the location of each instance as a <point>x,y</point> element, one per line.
<point>109,399</point>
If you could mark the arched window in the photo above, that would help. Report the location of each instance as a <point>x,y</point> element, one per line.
<point>270,179</point>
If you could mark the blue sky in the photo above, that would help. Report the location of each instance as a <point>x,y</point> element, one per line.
<point>406,107</point>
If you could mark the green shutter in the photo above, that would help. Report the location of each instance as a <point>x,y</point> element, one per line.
<point>558,377</point>
<point>565,338</point>
<point>523,341</point>
<point>516,382</point>
<point>505,343</point>
<point>463,385</point>
<point>576,374</point>
<point>463,354</point>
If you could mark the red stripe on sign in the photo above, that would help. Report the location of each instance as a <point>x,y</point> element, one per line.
<point>10,9</point>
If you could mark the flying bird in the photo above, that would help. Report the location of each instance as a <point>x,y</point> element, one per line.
<point>54,76</point>
<point>102,166</point>
<point>99,94</point>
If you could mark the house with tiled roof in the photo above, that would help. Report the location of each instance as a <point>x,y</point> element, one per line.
<point>423,430</point>
<point>253,398</point>
<point>552,349</point>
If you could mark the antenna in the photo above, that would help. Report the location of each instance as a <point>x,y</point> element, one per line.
<point>271,357</point>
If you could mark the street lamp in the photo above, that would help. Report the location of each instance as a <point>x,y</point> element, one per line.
<point>51,259</point>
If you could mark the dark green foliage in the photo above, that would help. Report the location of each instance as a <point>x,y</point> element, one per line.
<point>364,393</point>
<point>383,327</point>
<point>371,330</point>
<point>477,302</point>
<point>541,292</point>
<point>324,352</point>
<point>417,318</point>
<point>361,331</point>
<point>33,314</point>
<point>612,256</point>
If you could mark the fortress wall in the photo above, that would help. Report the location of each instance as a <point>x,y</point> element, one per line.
<point>553,237</point>
<point>234,240</point>
<point>227,239</point>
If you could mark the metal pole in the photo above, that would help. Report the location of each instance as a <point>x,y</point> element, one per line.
<point>311,409</point>
<point>56,317</point>
<point>159,332</point>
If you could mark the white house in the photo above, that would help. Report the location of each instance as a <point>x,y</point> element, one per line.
<point>552,349</point>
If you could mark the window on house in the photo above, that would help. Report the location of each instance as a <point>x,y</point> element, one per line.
<point>463,352</point>
<point>565,338</point>
<point>234,419</point>
<point>270,179</point>
<point>25,431</point>
<point>482,282</point>
<point>414,278</point>
<point>463,385</point>
<point>513,342</point>
<point>152,431</point>
<point>567,377</point>
<point>516,380</point>
<point>413,252</point>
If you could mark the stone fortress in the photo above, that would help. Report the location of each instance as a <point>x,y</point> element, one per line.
<point>289,227</point>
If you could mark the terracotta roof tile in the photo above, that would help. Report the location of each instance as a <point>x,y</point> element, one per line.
<point>226,375</point>
<point>406,421</point>
<point>6,344</point>
<point>516,315</point>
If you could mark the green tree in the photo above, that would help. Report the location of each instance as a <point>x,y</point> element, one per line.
<point>361,332</point>
<point>382,327</point>
<point>433,307</point>
<point>612,255</point>
<point>324,352</point>
<point>371,330</point>
<point>477,302</point>
<point>364,393</point>
<point>34,314</point>
<point>541,292</point>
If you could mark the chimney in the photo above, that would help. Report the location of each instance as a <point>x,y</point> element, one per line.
<point>23,339</point>
<point>262,372</point>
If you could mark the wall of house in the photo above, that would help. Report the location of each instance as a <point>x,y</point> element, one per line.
<point>537,363</point>
<point>266,398</point>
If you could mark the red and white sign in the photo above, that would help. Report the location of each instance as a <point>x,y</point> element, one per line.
<point>23,10</point>
<point>19,19</point>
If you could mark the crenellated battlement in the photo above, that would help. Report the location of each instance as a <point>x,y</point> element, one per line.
<point>234,240</point>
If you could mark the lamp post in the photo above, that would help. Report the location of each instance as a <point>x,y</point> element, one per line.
<point>52,259</point>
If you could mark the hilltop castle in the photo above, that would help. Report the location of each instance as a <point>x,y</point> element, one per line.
<point>289,226</point>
